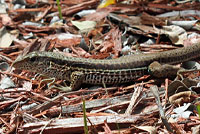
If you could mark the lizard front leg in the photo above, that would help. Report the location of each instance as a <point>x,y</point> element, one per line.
<point>76,79</point>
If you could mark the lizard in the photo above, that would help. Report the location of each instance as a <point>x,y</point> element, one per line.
<point>95,71</point>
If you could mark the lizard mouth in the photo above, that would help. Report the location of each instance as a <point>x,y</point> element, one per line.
<point>17,63</point>
<point>14,64</point>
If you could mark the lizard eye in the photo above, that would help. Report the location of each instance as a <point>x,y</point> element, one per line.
<point>32,59</point>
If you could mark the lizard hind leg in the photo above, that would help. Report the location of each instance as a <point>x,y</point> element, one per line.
<point>161,71</point>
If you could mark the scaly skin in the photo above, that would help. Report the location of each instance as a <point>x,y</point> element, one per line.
<point>93,71</point>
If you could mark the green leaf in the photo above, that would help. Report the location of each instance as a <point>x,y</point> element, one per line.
<point>198,110</point>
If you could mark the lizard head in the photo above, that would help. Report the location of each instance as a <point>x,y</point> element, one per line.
<point>27,62</point>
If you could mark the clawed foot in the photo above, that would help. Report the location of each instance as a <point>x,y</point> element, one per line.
<point>51,85</point>
<point>63,88</point>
